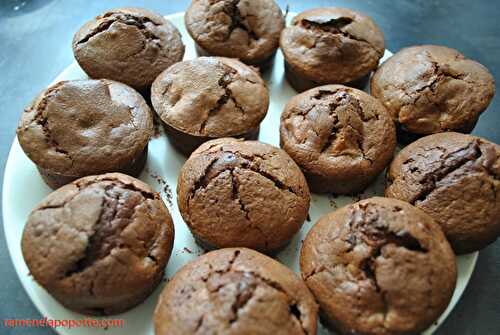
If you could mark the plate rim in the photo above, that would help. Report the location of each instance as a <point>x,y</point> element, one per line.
<point>36,303</point>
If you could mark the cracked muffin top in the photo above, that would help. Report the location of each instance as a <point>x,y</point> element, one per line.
<point>84,127</point>
<point>130,45</point>
<point>235,291</point>
<point>429,89</point>
<point>211,97</point>
<point>455,178</point>
<point>100,244</point>
<point>339,132</point>
<point>244,29</point>
<point>235,193</point>
<point>332,45</point>
<point>379,266</point>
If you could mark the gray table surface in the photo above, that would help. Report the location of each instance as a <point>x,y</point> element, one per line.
<point>35,46</point>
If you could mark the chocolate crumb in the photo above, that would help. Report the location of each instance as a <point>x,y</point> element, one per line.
<point>166,191</point>
<point>168,194</point>
<point>356,198</point>
<point>332,198</point>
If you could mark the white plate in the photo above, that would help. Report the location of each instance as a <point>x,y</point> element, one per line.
<point>23,188</point>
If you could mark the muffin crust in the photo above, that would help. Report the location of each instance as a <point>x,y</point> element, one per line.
<point>129,45</point>
<point>243,29</point>
<point>330,46</point>
<point>100,244</point>
<point>235,291</point>
<point>209,97</point>
<point>341,137</point>
<point>455,178</point>
<point>242,193</point>
<point>83,127</point>
<point>379,266</point>
<point>430,89</point>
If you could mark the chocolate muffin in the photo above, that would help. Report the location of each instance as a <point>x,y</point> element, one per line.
<point>235,291</point>
<point>455,178</point>
<point>209,97</point>
<point>234,193</point>
<point>100,244</point>
<point>330,46</point>
<point>243,29</point>
<point>430,89</point>
<point>84,127</point>
<point>379,266</point>
<point>130,45</point>
<point>341,138</point>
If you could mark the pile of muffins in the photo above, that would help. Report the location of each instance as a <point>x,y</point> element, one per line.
<point>99,243</point>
